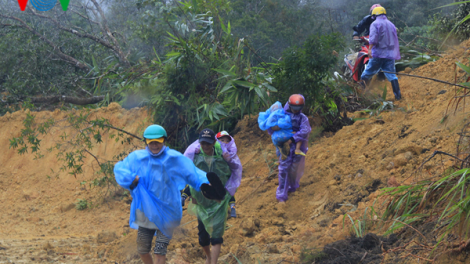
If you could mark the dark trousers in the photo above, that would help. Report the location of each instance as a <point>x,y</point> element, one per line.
<point>204,238</point>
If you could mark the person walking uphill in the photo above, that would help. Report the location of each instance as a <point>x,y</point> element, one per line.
<point>384,50</point>
<point>155,176</point>
<point>211,215</point>
<point>291,169</point>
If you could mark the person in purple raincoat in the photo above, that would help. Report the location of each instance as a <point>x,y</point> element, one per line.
<point>227,143</point>
<point>292,168</point>
<point>384,49</point>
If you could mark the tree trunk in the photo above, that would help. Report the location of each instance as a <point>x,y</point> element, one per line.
<point>67,99</point>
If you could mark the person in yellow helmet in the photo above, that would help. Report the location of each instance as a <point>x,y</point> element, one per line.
<point>362,28</point>
<point>384,49</point>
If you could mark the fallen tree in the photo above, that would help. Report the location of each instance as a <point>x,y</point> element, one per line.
<point>67,99</point>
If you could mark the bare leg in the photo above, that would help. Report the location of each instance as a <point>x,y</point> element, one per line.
<point>207,250</point>
<point>297,148</point>
<point>159,259</point>
<point>146,258</point>
<point>297,145</point>
<point>215,252</point>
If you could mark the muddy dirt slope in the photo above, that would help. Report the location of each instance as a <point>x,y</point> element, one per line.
<point>40,223</point>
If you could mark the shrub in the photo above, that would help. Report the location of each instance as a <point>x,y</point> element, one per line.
<point>81,204</point>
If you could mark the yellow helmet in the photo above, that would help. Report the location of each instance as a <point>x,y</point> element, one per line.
<point>378,11</point>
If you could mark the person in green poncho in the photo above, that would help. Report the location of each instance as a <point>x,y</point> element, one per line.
<point>211,215</point>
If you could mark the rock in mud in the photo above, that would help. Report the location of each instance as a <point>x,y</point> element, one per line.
<point>67,207</point>
<point>247,227</point>
<point>106,237</point>
<point>408,155</point>
<point>402,159</point>
<point>274,239</point>
<point>442,92</point>
<point>414,149</point>
<point>392,182</point>
<point>257,223</point>
<point>272,249</point>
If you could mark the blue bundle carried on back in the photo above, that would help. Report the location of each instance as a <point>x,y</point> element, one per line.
<point>276,116</point>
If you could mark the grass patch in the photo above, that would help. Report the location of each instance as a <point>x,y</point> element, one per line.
<point>312,255</point>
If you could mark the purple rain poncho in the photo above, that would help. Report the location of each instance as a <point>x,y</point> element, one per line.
<point>276,116</point>
<point>292,169</point>
<point>383,35</point>
<point>234,163</point>
<point>162,176</point>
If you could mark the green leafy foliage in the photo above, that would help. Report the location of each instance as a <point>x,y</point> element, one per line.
<point>206,78</point>
<point>456,25</point>
<point>271,26</point>
<point>81,204</point>
<point>360,226</point>
<point>413,59</point>
<point>304,69</point>
<point>307,70</point>
<point>447,198</point>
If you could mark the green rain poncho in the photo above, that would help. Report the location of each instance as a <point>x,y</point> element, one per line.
<point>211,213</point>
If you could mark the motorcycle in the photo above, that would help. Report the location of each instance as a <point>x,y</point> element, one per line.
<point>355,63</point>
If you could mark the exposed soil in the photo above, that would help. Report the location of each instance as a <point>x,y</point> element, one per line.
<point>344,172</point>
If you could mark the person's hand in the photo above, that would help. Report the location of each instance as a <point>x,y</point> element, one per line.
<point>134,183</point>
<point>289,141</point>
<point>356,38</point>
<point>226,156</point>
<point>193,201</point>
<point>275,128</point>
<point>369,53</point>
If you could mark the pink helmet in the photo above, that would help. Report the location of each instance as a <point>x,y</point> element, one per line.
<point>372,8</point>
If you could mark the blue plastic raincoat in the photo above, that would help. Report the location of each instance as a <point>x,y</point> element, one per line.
<point>162,177</point>
<point>276,116</point>
<point>383,35</point>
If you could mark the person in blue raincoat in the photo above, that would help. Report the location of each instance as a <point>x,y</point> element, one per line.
<point>155,176</point>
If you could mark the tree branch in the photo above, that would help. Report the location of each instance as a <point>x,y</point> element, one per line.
<point>99,163</point>
<point>422,77</point>
<point>60,54</point>
<point>123,131</point>
<point>85,17</point>
<point>105,29</point>
<point>75,32</point>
